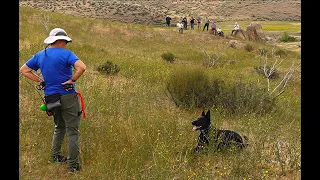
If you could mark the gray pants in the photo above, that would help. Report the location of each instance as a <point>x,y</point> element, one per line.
<point>66,120</point>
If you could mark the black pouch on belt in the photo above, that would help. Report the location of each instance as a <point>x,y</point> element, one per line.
<point>52,101</point>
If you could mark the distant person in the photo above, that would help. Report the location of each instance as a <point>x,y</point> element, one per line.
<point>185,22</point>
<point>60,69</point>
<point>236,27</point>
<point>214,28</point>
<point>220,32</point>
<point>192,20</point>
<point>206,25</point>
<point>199,23</point>
<point>168,20</point>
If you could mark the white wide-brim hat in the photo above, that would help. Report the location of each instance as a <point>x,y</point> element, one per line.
<point>57,34</point>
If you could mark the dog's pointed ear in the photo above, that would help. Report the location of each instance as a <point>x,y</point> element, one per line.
<point>203,114</point>
<point>208,114</point>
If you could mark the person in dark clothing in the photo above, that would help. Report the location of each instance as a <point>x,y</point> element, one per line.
<point>168,20</point>
<point>192,22</point>
<point>199,23</point>
<point>206,25</point>
<point>185,23</point>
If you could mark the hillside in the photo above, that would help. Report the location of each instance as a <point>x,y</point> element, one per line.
<point>138,123</point>
<point>154,12</point>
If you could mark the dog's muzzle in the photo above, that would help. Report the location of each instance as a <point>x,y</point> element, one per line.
<point>195,128</point>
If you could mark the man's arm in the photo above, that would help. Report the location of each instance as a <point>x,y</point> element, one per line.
<point>28,72</point>
<point>80,68</point>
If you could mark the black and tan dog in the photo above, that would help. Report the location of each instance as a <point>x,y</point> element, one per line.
<point>218,138</point>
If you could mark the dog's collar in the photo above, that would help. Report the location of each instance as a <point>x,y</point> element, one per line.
<point>205,131</point>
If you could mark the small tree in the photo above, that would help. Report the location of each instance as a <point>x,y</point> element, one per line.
<point>210,59</point>
<point>45,21</point>
<point>280,88</point>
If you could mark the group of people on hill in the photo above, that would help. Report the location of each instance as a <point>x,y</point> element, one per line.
<point>183,25</point>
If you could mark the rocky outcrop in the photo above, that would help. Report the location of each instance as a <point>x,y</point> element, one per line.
<point>254,32</point>
<point>239,34</point>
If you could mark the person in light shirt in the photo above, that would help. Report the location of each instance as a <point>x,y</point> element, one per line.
<point>220,32</point>
<point>236,27</point>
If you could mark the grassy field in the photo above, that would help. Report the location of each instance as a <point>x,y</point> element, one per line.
<point>133,129</point>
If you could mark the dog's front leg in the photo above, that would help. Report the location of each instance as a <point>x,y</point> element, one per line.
<point>202,141</point>
<point>199,145</point>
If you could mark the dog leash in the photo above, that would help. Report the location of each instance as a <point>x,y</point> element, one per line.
<point>82,105</point>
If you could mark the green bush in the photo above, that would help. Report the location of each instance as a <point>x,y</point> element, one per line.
<point>169,57</point>
<point>287,38</point>
<point>188,88</point>
<point>191,88</point>
<point>108,68</point>
<point>243,98</point>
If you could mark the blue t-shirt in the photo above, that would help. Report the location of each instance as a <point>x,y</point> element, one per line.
<point>56,67</point>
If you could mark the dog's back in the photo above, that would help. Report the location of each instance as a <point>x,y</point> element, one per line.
<point>219,138</point>
<point>228,138</point>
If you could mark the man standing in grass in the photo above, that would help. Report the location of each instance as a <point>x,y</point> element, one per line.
<point>168,20</point>
<point>206,25</point>
<point>192,23</point>
<point>185,22</point>
<point>61,98</point>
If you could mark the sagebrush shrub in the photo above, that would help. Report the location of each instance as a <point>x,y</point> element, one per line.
<point>169,57</point>
<point>287,38</point>
<point>192,88</point>
<point>188,87</point>
<point>108,68</point>
<point>246,98</point>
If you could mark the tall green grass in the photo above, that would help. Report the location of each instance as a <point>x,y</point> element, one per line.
<point>133,129</point>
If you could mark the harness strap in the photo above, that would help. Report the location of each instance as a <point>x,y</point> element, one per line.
<point>82,105</point>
